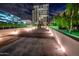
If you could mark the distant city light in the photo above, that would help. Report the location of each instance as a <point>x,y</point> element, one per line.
<point>24,22</point>
<point>7,17</point>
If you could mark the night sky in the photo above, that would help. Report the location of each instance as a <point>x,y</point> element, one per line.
<point>56,8</point>
<point>24,10</point>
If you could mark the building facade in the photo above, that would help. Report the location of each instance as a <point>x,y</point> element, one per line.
<point>40,13</point>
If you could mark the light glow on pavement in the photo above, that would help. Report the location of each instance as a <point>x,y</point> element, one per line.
<point>14,32</point>
<point>58,41</point>
<point>29,29</point>
<point>0,35</point>
<point>51,34</point>
<point>50,31</point>
<point>61,47</point>
<point>0,39</point>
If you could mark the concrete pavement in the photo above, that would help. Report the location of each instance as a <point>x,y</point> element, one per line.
<point>70,45</point>
<point>37,42</point>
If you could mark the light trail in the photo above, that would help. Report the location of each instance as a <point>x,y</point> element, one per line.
<point>0,35</point>
<point>51,34</point>
<point>0,39</point>
<point>29,29</point>
<point>14,32</point>
<point>49,31</point>
<point>58,41</point>
<point>25,29</point>
<point>61,46</point>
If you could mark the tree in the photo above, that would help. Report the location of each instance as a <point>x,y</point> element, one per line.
<point>68,18</point>
<point>72,15</point>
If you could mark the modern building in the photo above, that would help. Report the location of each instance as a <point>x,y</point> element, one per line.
<point>40,13</point>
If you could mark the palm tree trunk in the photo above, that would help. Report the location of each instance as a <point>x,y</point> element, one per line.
<point>70,26</point>
<point>71,23</point>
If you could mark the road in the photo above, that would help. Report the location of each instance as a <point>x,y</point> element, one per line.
<point>36,42</point>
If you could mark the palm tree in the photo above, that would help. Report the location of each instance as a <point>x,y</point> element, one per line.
<point>72,15</point>
<point>76,16</point>
<point>69,14</point>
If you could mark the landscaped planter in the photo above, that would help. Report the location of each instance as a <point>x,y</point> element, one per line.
<point>68,34</point>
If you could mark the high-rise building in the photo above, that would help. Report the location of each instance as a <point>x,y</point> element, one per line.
<point>40,13</point>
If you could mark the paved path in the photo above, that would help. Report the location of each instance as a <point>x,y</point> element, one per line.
<point>37,42</point>
<point>70,45</point>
